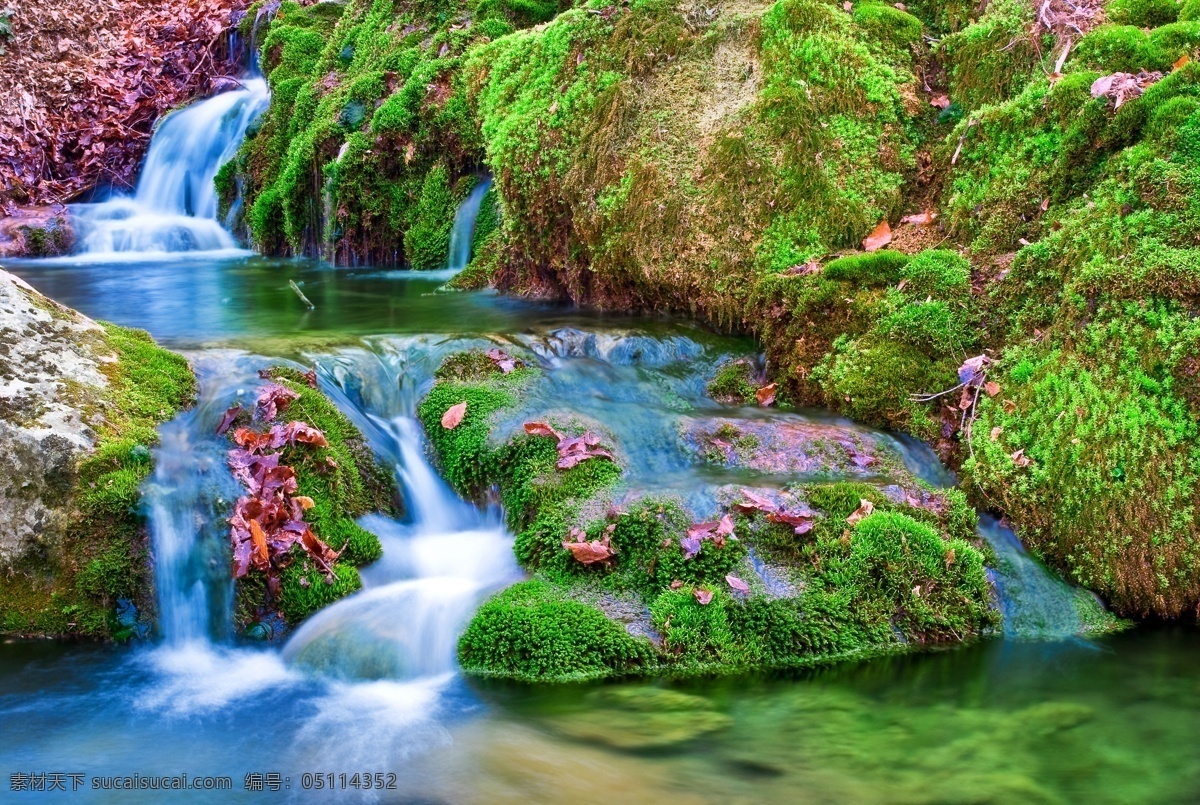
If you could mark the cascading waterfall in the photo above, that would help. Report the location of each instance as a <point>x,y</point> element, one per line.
<point>174,208</point>
<point>436,566</point>
<point>463,233</point>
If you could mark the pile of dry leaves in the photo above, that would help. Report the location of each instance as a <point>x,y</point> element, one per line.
<point>84,83</point>
<point>269,521</point>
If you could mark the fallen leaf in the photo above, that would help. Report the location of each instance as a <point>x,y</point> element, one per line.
<point>1045,205</point>
<point>1020,459</point>
<point>1182,60</point>
<point>756,502</point>
<point>971,372</point>
<point>227,419</point>
<point>766,394</point>
<point>703,597</point>
<point>310,377</point>
<point>991,388</point>
<point>541,429</point>
<point>939,101</point>
<point>1009,406</point>
<point>306,503</point>
<point>920,218</point>
<point>948,558</point>
<point>880,236</point>
<point>865,508</point>
<point>996,431</point>
<point>676,584</point>
<point>591,552</point>
<point>454,416</point>
<point>736,583</point>
<point>273,399</point>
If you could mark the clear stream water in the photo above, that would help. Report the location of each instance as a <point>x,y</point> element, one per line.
<point>369,684</point>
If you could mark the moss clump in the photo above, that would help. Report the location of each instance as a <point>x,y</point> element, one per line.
<point>535,633</point>
<point>103,557</point>
<point>733,382</point>
<point>345,481</point>
<point>53,238</point>
<point>1142,13</point>
<point>991,59</point>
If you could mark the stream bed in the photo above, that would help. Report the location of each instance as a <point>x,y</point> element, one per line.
<point>1008,719</point>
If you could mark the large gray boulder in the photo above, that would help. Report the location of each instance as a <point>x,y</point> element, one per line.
<point>50,367</point>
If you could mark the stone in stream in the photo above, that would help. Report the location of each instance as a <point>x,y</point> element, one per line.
<point>791,446</point>
<point>35,232</point>
<point>79,403</point>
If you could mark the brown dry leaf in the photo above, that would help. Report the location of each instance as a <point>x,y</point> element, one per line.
<point>589,553</point>
<point>949,558</point>
<point>939,101</point>
<point>1009,406</point>
<point>676,584</point>
<point>1045,205</point>
<point>880,236</point>
<point>541,429</point>
<point>991,388</point>
<point>865,508</point>
<point>305,502</point>
<point>766,394</point>
<point>454,416</point>
<point>1020,459</point>
<point>996,431</point>
<point>258,539</point>
<point>703,597</point>
<point>1182,60</point>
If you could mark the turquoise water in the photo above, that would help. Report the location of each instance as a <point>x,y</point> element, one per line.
<point>1110,719</point>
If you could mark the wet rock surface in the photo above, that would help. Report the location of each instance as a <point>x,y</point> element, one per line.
<point>50,363</point>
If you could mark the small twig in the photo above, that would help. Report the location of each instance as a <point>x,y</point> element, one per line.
<point>970,124</point>
<point>928,397</point>
<point>300,294</point>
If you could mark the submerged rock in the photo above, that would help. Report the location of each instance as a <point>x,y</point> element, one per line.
<point>780,445</point>
<point>79,403</point>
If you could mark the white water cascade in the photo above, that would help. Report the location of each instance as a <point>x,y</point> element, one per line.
<point>463,233</point>
<point>174,208</point>
<point>437,566</point>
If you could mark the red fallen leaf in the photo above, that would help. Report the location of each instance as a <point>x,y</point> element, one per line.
<point>880,236</point>
<point>756,503</point>
<point>258,540</point>
<point>939,101</point>
<point>454,416</point>
<point>865,508</point>
<point>801,521</point>
<point>992,388</point>
<point>310,377</point>
<point>227,419</point>
<point>1181,61</point>
<point>272,399</point>
<point>502,359</point>
<point>296,432</point>
<point>541,429</point>
<point>589,552</point>
<point>736,583</point>
<point>251,440</point>
<point>703,597</point>
<point>920,219</point>
<point>691,546</point>
<point>1020,459</point>
<point>725,527</point>
<point>971,372</point>
<point>676,584</point>
<point>766,394</point>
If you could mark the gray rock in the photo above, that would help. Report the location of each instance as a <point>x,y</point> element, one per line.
<point>50,368</point>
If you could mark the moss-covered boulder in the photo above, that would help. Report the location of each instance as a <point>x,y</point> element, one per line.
<point>627,584</point>
<point>79,405</point>
<point>340,479</point>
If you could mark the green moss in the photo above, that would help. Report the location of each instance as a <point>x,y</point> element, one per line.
<point>427,240</point>
<point>733,382</point>
<point>992,58</point>
<point>533,632</point>
<point>694,632</point>
<point>883,267</point>
<point>1142,13</point>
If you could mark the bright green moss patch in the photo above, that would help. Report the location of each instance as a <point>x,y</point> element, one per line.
<point>733,382</point>
<point>533,632</point>
<point>103,557</point>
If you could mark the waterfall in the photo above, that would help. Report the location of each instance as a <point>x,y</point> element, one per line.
<point>187,499</point>
<point>463,233</point>
<point>174,208</point>
<point>1035,603</point>
<point>437,565</point>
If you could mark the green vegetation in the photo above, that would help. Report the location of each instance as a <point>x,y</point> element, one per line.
<point>103,557</point>
<point>345,481</point>
<point>728,165</point>
<point>903,576</point>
